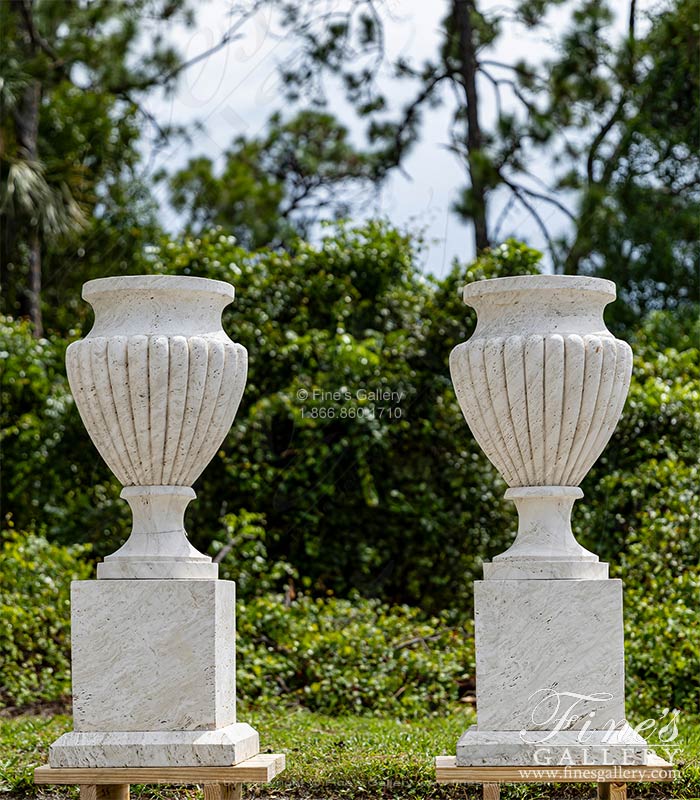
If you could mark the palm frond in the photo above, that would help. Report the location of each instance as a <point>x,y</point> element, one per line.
<point>27,193</point>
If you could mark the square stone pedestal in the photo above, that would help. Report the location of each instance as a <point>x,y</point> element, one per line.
<point>549,674</point>
<point>154,676</point>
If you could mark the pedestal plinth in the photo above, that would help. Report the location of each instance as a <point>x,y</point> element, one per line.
<point>549,675</point>
<point>154,676</point>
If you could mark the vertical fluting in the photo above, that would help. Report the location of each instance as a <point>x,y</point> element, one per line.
<point>157,407</point>
<point>574,368</point>
<point>542,407</point>
<point>178,369</point>
<point>159,390</point>
<point>139,396</point>
<point>554,392</point>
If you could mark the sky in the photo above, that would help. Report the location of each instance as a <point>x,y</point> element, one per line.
<point>234,92</point>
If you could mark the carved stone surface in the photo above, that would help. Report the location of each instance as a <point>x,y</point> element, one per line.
<point>541,642</point>
<point>542,382</point>
<point>221,748</point>
<point>156,405</point>
<point>157,382</point>
<point>153,655</point>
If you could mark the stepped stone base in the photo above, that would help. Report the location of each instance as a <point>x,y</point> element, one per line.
<point>221,748</point>
<point>623,747</point>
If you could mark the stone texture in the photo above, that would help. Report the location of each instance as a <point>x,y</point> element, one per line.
<point>534,637</point>
<point>477,748</point>
<point>542,382</point>
<point>158,546</point>
<point>157,383</point>
<point>511,569</point>
<point>153,655</point>
<point>224,747</point>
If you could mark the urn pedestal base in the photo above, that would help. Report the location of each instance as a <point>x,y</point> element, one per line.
<point>158,547</point>
<point>478,748</point>
<point>154,676</point>
<point>219,748</point>
<point>549,675</point>
<point>548,653</point>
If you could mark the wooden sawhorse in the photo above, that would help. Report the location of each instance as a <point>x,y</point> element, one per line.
<point>612,781</point>
<point>112,783</point>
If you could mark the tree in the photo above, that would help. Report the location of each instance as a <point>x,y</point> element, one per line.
<point>637,174</point>
<point>589,109</point>
<point>69,103</point>
<point>74,77</point>
<point>276,187</point>
<point>349,43</point>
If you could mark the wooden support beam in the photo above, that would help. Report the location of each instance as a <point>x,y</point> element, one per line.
<point>223,791</point>
<point>104,791</point>
<point>258,769</point>
<point>492,791</point>
<point>612,791</point>
<point>656,769</point>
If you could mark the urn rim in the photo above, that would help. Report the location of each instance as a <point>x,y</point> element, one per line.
<point>602,287</point>
<point>187,283</point>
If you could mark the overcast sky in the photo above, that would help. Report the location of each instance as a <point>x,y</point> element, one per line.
<point>234,91</point>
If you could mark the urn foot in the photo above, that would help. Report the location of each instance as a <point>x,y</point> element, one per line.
<point>158,547</point>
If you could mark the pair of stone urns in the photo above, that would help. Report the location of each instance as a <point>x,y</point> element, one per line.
<point>157,381</point>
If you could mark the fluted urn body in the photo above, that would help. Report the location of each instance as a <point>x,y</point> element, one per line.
<point>542,384</point>
<point>157,383</point>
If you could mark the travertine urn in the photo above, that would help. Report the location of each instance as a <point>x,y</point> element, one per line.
<point>157,382</point>
<point>153,640</point>
<point>542,384</point>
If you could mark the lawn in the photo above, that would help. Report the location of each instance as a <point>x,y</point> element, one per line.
<point>336,757</point>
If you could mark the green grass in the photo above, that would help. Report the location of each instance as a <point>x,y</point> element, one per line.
<point>333,758</point>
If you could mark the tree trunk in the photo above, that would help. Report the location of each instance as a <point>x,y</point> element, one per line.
<point>26,117</point>
<point>468,68</point>
<point>35,282</point>
<point>571,264</point>
<point>580,248</point>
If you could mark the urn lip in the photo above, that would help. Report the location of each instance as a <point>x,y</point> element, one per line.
<point>129,283</point>
<point>604,288</point>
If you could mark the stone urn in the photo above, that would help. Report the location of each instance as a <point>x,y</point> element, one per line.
<point>157,383</point>
<point>542,384</point>
<point>153,640</point>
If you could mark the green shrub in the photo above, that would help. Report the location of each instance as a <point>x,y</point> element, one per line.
<point>35,578</point>
<point>336,656</point>
<point>656,507</point>
<point>326,654</point>
<point>662,644</point>
<point>53,477</point>
<point>241,551</point>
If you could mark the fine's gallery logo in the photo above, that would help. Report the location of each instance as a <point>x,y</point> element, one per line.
<point>555,712</point>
